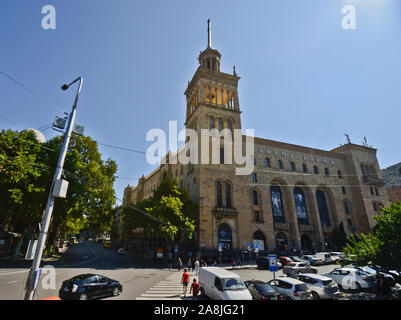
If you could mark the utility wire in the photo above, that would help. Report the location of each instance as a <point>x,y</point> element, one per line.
<point>28,90</point>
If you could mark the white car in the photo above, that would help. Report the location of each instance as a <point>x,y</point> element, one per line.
<point>314,261</point>
<point>321,287</point>
<point>298,267</point>
<point>337,256</point>
<point>325,256</point>
<point>351,278</point>
<point>291,289</point>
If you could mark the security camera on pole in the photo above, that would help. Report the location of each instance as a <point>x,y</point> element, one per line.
<point>57,190</point>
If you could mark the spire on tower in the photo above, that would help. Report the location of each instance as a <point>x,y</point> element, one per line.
<point>209,34</point>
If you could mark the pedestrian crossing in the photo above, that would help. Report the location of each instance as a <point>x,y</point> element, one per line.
<point>168,289</point>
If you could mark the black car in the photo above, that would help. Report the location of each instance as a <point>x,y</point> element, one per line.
<point>89,286</point>
<point>262,262</point>
<point>261,290</point>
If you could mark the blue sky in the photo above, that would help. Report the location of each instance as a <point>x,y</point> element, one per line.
<point>305,80</point>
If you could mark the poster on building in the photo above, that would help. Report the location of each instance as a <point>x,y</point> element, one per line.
<point>259,244</point>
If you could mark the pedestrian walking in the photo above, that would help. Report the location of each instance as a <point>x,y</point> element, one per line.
<point>233,263</point>
<point>194,289</point>
<point>196,266</point>
<point>184,281</point>
<point>179,264</point>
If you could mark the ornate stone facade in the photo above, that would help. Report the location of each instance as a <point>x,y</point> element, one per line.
<point>296,195</point>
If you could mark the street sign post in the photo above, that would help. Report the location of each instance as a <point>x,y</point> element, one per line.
<point>273,264</point>
<point>250,252</point>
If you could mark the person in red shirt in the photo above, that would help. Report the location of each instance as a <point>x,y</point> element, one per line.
<point>194,289</point>
<point>184,281</point>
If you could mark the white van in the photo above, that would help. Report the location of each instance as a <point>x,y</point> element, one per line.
<point>325,256</point>
<point>220,284</point>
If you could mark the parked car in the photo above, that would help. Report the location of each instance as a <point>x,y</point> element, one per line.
<point>373,271</point>
<point>337,256</point>
<point>325,256</point>
<point>220,284</point>
<point>314,261</point>
<point>291,289</point>
<point>298,267</point>
<point>89,286</point>
<point>263,263</point>
<point>298,259</point>
<point>285,260</point>
<point>262,291</point>
<point>321,287</point>
<point>351,278</point>
<point>107,244</point>
<point>395,273</point>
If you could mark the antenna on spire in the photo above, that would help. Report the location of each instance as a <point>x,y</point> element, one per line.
<point>209,34</point>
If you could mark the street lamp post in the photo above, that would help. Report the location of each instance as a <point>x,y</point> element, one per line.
<point>30,286</point>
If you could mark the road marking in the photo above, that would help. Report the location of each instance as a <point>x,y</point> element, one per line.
<point>11,282</point>
<point>14,272</point>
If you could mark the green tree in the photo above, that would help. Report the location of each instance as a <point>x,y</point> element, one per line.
<point>168,212</point>
<point>383,247</point>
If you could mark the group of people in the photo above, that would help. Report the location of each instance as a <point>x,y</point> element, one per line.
<point>195,286</point>
<point>194,266</point>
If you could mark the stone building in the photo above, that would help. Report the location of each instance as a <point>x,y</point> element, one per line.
<point>394,193</point>
<point>295,197</point>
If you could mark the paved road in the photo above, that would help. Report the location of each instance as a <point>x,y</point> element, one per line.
<point>136,274</point>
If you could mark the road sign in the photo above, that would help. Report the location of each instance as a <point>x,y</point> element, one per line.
<point>220,247</point>
<point>249,246</point>
<point>273,262</point>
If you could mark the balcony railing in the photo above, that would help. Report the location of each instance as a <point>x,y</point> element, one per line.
<point>225,212</point>
<point>373,181</point>
<point>281,226</point>
<point>306,228</point>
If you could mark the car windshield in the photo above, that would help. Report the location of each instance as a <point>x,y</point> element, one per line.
<point>263,288</point>
<point>368,269</point>
<point>233,284</point>
<point>301,287</point>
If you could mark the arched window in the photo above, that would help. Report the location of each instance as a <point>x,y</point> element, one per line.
<point>255,198</point>
<point>254,178</point>
<point>267,163</point>
<point>279,164</point>
<point>219,195</point>
<point>326,171</point>
<point>300,205</point>
<point>220,124</point>
<point>340,175</point>
<point>225,236</point>
<point>292,165</point>
<point>221,155</point>
<point>277,204</point>
<point>228,195</point>
<point>229,124</point>
<point>211,122</point>
<point>304,168</point>
<point>323,210</point>
<point>316,170</point>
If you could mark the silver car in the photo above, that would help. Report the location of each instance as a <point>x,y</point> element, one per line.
<point>313,260</point>
<point>298,267</point>
<point>321,287</point>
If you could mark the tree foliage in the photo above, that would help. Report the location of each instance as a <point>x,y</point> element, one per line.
<point>26,172</point>
<point>167,212</point>
<point>383,247</point>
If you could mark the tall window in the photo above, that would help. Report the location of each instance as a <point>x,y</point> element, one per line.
<point>323,210</point>
<point>219,195</point>
<point>221,155</point>
<point>277,204</point>
<point>267,163</point>
<point>255,198</point>
<point>346,208</point>
<point>220,124</point>
<point>316,170</point>
<point>256,215</point>
<point>292,165</point>
<point>304,168</point>
<point>211,122</point>
<point>340,175</point>
<point>300,205</point>
<point>254,178</point>
<point>343,190</point>
<point>326,171</point>
<point>228,195</point>
<point>377,192</point>
<point>279,164</point>
<point>229,124</point>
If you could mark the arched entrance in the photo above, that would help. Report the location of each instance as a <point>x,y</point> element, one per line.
<point>281,242</point>
<point>260,240</point>
<point>225,236</point>
<point>306,243</point>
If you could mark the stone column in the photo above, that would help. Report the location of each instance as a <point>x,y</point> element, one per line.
<point>294,227</point>
<point>315,214</point>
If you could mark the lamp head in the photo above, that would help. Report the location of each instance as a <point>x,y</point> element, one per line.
<point>64,87</point>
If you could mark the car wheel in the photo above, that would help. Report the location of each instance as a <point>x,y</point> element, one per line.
<point>357,287</point>
<point>116,292</point>
<point>83,296</point>
<point>315,296</point>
